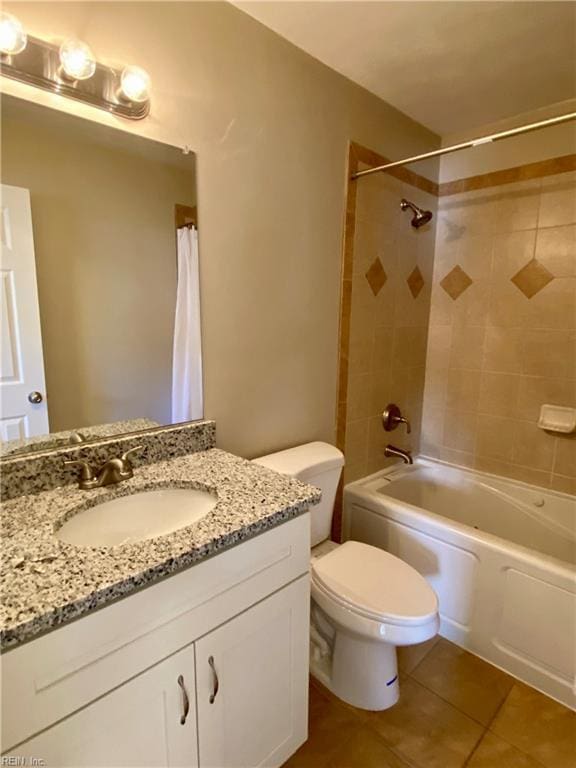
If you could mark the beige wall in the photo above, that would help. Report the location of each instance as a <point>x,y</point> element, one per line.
<point>105,243</point>
<point>495,355</point>
<point>270,126</point>
<point>388,330</point>
<point>530,147</point>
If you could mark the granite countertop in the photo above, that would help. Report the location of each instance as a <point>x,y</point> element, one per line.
<point>45,582</point>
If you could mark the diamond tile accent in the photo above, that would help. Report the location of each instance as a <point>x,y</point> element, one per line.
<point>415,282</point>
<point>376,276</point>
<point>456,282</point>
<point>532,278</point>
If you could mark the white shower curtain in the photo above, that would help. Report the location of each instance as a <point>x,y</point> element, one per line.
<point>187,356</point>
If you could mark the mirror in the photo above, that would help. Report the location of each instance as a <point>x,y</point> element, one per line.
<point>100,296</point>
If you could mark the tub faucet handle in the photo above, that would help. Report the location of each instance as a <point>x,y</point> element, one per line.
<point>392,417</point>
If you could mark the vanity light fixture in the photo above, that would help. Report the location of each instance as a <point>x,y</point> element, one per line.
<point>71,70</point>
<point>13,38</point>
<point>135,84</point>
<point>77,60</point>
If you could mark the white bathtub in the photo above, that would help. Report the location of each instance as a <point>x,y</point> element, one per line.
<point>500,554</point>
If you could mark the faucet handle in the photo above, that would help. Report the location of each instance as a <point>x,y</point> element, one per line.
<point>402,420</point>
<point>87,473</point>
<point>125,456</point>
<point>392,417</point>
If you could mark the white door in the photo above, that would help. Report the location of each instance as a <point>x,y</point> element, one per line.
<point>21,358</point>
<point>145,722</point>
<point>252,683</point>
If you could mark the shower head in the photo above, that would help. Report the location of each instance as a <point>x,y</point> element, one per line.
<point>420,217</point>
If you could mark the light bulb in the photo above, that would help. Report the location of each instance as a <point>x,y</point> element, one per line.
<point>77,60</point>
<point>135,84</point>
<point>12,36</point>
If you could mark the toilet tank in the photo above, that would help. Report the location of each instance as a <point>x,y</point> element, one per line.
<point>318,464</point>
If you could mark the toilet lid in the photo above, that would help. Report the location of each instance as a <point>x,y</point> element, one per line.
<point>375,583</point>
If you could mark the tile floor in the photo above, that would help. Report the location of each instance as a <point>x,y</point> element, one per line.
<point>455,710</point>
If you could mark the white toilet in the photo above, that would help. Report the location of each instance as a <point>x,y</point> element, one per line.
<point>365,601</point>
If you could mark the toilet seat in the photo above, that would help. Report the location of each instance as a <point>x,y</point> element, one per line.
<point>375,587</point>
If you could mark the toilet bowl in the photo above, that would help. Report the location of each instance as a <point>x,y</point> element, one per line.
<point>364,601</point>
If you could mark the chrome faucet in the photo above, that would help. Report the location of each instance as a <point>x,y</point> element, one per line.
<point>111,472</point>
<point>406,456</point>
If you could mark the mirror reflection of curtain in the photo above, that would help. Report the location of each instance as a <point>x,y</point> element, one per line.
<point>187,355</point>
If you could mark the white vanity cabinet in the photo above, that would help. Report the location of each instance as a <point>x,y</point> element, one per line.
<point>207,668</point>
<point>252,683</point>
<point>141,723</point>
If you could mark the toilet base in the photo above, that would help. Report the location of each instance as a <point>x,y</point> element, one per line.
<point>361,673</point>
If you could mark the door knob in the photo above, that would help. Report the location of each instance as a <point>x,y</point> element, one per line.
<point>35,398</point>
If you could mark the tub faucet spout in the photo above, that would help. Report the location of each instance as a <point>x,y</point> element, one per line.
<point>406,456</point>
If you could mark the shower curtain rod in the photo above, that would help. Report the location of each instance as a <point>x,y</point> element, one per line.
<point>472,143</point>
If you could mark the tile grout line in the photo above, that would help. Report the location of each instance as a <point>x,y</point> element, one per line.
<point>487,729</point>
<point>497,735</point>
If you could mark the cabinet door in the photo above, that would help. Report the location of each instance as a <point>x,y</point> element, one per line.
<point>138,724</point>
<point>252,683</point>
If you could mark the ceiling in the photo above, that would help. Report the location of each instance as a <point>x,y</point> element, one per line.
<point>452,66</point>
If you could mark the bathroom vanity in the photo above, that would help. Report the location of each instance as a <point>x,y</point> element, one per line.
<point>208,667</point>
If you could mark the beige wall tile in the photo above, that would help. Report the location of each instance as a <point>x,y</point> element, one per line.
<point>356,450</point>
<point>498,393</point>
<point>533,447</point>
<point>511,252</point>
<point>554,307</point>
<point>407,387</point>
<point>360,353</point>
<point>563,484</point>
<point>462,390</point>
<point>549,353</point>
<point>383,346</point>
<point>442,306</point>
<point>532,278</point>
<point>503,350</point>
<point>385,303</point>
<point>432,428</point>
<point>461,458</point>
<point>517,206</point>
<point>439,346</point>
<point>558,202</point>
<point>378,438</point>
<point>556,250</point>
<point>472,307</point>
<point>535,391</point>
<point>522,351</point>
<point>381,390</point>
<point>529,475</point>
<point>507,306</point>
<point>565,461</point>
<point>456,282</point>
<point>512,471</point>
<point>495,438</point>
<point>409,347</point>
<point>435,387</point>
<point>467,347</point>
<point>354,472</point>
<point>359,396</point>
<point>460,430</point>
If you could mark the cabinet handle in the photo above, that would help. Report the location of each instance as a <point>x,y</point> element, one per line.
<point>185,700</point>
<point>216,681</point>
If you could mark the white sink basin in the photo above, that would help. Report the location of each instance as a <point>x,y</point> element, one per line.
<point>128,519</point>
